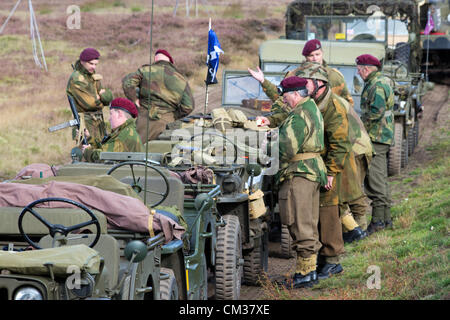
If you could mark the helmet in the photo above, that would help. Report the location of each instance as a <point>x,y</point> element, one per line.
<point>311,70</point>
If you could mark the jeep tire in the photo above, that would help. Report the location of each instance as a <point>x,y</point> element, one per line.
<point>395,151</point>
<point>229,260</point>
<point>168,287</point>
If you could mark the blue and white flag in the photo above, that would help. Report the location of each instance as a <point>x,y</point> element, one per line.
<point>212,60</point>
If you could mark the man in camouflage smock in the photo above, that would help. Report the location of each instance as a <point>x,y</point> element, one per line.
<point>90,97</point>
<point>164,95</point>
<point>377,102</point>
<point>363,150</point>
<point>123,138</point>
<point>301,174</point>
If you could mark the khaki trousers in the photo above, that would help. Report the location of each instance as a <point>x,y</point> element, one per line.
<point>298,199</point>
<point>330,232</point>
<point>376,182</point>
<point>155,127</point>
<point>360,207</point>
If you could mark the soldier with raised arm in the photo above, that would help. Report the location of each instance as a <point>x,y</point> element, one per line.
<point>312,51</point>
<point>302,172</point>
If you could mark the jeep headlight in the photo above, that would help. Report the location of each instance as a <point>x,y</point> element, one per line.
<point>231,183</point>
<point>28,293</point>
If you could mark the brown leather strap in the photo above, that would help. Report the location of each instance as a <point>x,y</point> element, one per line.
<point>304,156</point>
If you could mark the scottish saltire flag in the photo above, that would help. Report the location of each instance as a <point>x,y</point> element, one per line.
<point>212,60</point>
<point>430,24</point>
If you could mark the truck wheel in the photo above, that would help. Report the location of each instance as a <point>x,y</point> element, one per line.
<point>395,151</point>
<point>405,152</point>
<point>286,243</point>
<point>256,261</point>
<point>411,140</point>
<point>229,261</point>
<point>402,52</point>
<point>168,288</point>
<point>416,133</point>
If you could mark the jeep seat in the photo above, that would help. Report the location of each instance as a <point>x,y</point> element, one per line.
<point>108,248</point>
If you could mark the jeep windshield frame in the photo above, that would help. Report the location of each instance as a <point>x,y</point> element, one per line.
<point>239,85</point>
<point>347,28</point>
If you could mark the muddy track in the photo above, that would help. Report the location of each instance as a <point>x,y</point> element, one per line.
<point>435,116</point>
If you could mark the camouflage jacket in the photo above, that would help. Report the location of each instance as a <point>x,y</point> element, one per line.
<point>359,138</point>
<point>377,103</point>
<point>122,139</point>
<point>84,87</point>
<point>280,110</point>
<point>337,83</point>
<point>302,132</point>
<point>162,89</point>
<point>337,154</point>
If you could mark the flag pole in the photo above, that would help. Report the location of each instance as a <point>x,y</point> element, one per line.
<point>206,82</point>
<point>206,103</point>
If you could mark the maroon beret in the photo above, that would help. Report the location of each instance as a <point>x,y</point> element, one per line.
<point>293,84</point>
<point>164,52</point>
<point>126,105</point>
<point>310,46</point>
<point>368,60</point>
<point>89,54</point>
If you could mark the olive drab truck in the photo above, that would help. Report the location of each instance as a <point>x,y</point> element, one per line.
<point>435,38</point>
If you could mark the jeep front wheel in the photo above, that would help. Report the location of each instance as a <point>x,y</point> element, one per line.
<point>168,287</point>
<point>229,261</point>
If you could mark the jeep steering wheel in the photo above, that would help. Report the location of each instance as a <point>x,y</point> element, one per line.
<point>58,228</point>
<point>139,186</point>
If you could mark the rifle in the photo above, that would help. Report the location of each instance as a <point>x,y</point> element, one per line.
<point>71,123</point>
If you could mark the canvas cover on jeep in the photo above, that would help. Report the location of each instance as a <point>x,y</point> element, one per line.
<point>30,261</point>
<point>122,211</point>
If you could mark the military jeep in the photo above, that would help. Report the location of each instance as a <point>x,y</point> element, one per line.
<point>234,173</point>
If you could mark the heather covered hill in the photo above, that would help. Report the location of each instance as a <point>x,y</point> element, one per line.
<point>120,30</point>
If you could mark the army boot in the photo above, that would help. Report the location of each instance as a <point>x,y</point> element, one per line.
<point>332,266</point>
<point>387,218</point>
<point>305,272</point>
<point>354,232</point>
<point>377,222</point>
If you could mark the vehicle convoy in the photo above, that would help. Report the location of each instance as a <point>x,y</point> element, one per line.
<point>111,261</point>
<point>386,29</point>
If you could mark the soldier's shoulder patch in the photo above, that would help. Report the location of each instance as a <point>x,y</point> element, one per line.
<point>338,72</point>
<point>80,77</point>
<point>97,76</point>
